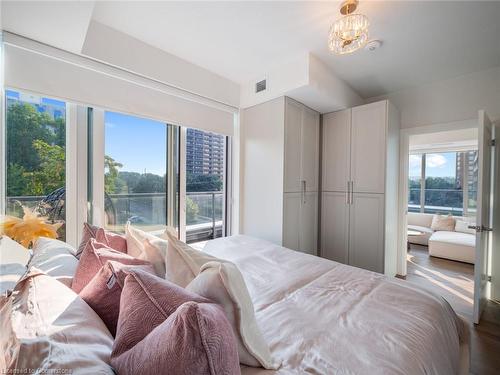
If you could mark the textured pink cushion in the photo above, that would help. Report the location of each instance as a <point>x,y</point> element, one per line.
<point>112,240</point>
<point>103,292</point>
<point>163,328</point>
<point>93,258</point>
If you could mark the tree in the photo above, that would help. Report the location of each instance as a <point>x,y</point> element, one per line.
<point>111,167</point>
<point>203,182</point>
<point>50,175</point>
<point>149,183</point>
<point>192,211</point>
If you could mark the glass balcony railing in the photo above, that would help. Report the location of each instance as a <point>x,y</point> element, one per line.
<point>148,211</point>
<point>443,201</point>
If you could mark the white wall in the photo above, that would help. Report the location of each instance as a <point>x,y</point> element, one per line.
<point>450,100</point>
<point>114,47</point>
<point>261,170</point>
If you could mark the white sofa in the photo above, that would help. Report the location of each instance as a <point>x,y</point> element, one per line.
<point>457,245</point>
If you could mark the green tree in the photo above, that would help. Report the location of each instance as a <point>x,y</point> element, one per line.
<point>50,174</point>
<point>203,182</point>
<point>111,174</point>
<point>192,211</point>
<point>149,183</point>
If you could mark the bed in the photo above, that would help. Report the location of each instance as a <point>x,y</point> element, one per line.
<point>323,317</point>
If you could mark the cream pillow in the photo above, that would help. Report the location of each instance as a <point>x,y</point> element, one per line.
<point>55,258</point>
<point>223,283</point>
<point>13,260</point>
<point>183,263</point>
<point>463,227</point>
<point>48,327</point>
<point>147,246</point>
<point>443,223</point>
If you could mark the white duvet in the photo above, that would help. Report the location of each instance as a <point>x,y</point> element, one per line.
<point>323,317</point>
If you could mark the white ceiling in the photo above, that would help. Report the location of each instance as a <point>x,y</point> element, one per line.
<point>424,41</point>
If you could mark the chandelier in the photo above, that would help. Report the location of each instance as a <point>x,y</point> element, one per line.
<point>350,32</point>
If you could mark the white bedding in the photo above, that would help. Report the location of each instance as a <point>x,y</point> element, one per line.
<point>323,317</point>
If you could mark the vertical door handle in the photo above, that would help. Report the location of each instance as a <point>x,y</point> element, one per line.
<point>351,193</point>
<point>347,194</point>
<point>303,191</point>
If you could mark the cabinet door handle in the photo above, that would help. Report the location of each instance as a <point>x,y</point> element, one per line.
<point>352,192</point>
<point>303,191</point>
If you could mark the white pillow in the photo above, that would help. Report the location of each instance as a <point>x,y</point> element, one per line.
<point>13,260</point>
<point>463,227</point>
<point>183,263</point>
<point>147,246</point>
<point>55,258</point>
<point>443,223</point>
<point>223,283</point>
<point>48,327</point>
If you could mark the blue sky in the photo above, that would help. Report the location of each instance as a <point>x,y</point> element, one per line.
<point>139,144</point>
<point>438,165</point>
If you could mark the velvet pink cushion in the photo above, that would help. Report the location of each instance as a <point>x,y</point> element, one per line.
<point>112,240</point>
<point>93,258</point>
<point>103,292</point>
<point>165,329</point>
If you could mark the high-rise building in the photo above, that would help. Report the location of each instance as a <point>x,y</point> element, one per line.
<point>204,153</point>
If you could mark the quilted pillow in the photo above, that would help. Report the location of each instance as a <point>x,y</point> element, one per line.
<point>55,258</point>
<point>443,223</point>
<point>103,292</point>
<point>112,240</point>
<point>224,284</point>
<point>46,327</point>
<point>93,258</point>
<point>161,326</point>
<point>183,263</point>
<point>148,247</point>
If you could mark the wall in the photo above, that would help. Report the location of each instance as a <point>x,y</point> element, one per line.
<point>261,170</point>
<point>114,47</point>
<point>450,100</point>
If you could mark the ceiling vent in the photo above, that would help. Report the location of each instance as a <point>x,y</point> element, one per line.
<point>260,86</point>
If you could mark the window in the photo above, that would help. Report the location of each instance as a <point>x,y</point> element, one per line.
<point>446,184</point>
<point>205,193</point>
<point>35,156</point>
<point>135,182</point>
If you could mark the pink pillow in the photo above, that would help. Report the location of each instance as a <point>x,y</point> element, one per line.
<point>103,292</point>
<point>162,326</point>
<point>110,239</point>
<point>93,258</point>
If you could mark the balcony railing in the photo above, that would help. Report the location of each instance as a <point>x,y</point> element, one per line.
<point>443,201</point>
<point>204,212</point>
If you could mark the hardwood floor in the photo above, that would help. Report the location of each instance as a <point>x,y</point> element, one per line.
<point>455,282</point>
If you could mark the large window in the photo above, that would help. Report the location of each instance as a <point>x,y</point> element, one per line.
<point>205,169</point>
<point>135,180</point>
<point>35,156</point>
<point>446,182</point>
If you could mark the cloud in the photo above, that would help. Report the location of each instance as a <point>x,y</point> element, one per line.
<point>435,161</point>
<point>415,161</point>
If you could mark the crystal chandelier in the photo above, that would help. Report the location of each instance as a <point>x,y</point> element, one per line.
<point>350,32</point>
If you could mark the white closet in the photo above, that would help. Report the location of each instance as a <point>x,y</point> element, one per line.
<point>280,154</point>
<point>360,187</point>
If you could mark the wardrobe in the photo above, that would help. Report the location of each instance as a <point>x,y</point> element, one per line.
<point>359,186</point>
<point>279,153</point>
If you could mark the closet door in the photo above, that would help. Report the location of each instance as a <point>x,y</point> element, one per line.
<point>366,232</point>
<point>336,150</point>
<point>291,220</point>
<point>293,135</point>
<point>368,147</point>
<point>310,149</point>
<point>335,226</point>
<point>308,237</point>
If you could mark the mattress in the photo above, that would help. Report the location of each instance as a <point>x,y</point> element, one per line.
<point>323,317</point>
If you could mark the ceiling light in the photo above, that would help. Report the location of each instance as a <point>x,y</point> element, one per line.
<point>350,32</point>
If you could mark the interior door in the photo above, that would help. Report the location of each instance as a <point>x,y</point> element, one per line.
<point>484,215</point>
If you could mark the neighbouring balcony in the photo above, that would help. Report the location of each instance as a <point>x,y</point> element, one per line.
<point>204,212</point>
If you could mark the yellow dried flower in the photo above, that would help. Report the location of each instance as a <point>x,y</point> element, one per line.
<point>28,229</point>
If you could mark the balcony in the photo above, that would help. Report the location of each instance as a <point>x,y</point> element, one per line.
<point>204,212</point>
<point>443,201</point>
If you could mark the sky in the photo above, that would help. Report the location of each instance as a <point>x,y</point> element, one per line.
<point>437,165</point>
<point>139,144</point>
